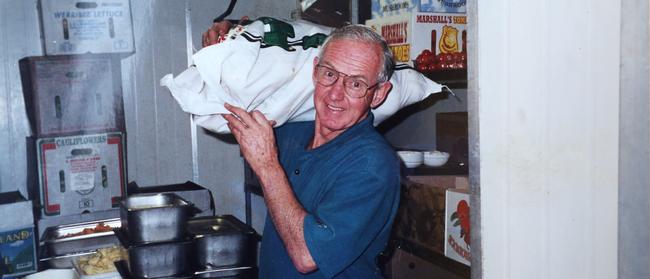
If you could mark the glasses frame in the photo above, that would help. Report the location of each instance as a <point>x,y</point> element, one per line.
<point>345,77</point>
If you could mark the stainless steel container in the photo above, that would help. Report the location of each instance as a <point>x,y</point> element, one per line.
<point>223,241</point>
<point>155,218</point>
<point>62,261</point>
<point>58,242</point>
<point>163,259</point>
<point>243,272</point>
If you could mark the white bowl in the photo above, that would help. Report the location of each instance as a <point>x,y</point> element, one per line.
<point>411,159</point>
<point>435,158</point>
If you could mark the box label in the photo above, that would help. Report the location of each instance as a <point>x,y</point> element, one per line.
<point>73,27</point>
<point>17,252</point>
<point>384,8</point>
<point>81,173</point>
<point>457,227</point>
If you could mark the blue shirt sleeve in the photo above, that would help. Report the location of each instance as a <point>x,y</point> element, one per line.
<point>352,213</point>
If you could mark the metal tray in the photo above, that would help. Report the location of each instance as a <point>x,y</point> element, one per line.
<point>222,241</point>
<point>63,261</point>
<point>57,244</point>
<point>240,272</point>
<point>123,270</point>
<point>155,218</point>
<point>153,260</point>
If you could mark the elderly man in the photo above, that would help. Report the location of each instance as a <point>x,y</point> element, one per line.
<point>331,185</point>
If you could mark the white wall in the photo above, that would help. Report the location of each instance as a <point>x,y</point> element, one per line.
<point>419,121</point>
<point>548,94</point>
<point>20,38</point>
<point>634,154</point>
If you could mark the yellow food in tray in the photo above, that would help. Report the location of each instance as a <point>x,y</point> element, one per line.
<point>101,262</point>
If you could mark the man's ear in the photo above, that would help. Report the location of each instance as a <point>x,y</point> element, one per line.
<point>313,72</point>
<point>380,94</point>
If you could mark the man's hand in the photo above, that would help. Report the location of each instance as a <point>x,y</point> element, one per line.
<point>254,133</point>
<point>257,142</point>
<point>217,32</point>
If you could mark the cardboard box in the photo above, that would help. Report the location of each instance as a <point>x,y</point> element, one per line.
<point>79,174</point>
<point>72,93</point>
<point>408,35</point>
<point>199,196</point>
<point>17,240</point>
<point>75,27</point>
<point>386,8</point>
<point>457,226</point>
<point>443,6</point>
<point>421,214</point>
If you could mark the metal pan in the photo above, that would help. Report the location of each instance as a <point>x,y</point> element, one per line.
<point>57,244</point>
<point>62,261</point>
<point>223,241</point>
<point>153,260</point>
<point>240,272</point>
<point>155,218</point>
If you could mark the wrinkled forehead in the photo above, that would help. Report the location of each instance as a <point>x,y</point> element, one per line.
<point>359,56</point>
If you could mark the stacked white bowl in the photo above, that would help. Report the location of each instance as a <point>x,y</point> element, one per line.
<point>435,158</point>
<point>411,159</point>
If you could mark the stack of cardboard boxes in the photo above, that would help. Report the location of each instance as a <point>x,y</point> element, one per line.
<point>74,101</point>
<point>73,97</point>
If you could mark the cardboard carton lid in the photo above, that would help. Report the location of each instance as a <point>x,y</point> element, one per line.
<point>15,202</point>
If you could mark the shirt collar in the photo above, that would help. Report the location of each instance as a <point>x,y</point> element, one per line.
<point>357,129</point>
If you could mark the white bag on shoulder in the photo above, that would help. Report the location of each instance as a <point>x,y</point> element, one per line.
<point>267,66</point>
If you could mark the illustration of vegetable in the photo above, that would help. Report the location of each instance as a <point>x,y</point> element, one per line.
<point>461,217</point>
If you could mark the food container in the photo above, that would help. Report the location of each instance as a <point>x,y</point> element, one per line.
<point>62,261</point>
<point>155,218</point>
<point>435,158</point>
<point>101,264</point>
<point>67,239</point>
<point>411,159</point>
<point>199,196</point>
<point>153,260</point>
<point>222,241</point>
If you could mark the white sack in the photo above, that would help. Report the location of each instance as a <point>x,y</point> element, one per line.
<point>247,71</point>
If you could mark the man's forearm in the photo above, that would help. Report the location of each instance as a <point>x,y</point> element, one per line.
<point>287,214</point>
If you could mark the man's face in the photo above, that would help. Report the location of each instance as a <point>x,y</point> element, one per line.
<point>335,110</point>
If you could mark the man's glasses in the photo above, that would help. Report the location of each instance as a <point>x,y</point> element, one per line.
<point>354,87</point>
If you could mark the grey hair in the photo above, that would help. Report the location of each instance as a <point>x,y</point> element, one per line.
<point>364,34</point>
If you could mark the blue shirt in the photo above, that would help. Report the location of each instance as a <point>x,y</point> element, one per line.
<point>350,190</point>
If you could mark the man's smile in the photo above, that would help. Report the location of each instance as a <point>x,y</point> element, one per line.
<point>334,108</point>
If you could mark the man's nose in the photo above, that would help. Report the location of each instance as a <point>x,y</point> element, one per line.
<point>337,90</point>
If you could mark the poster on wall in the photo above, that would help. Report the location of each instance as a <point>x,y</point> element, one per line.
<point>386,8</point>
<point>457,226</point>
<point>436,40</point>
<point>443,6</point>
